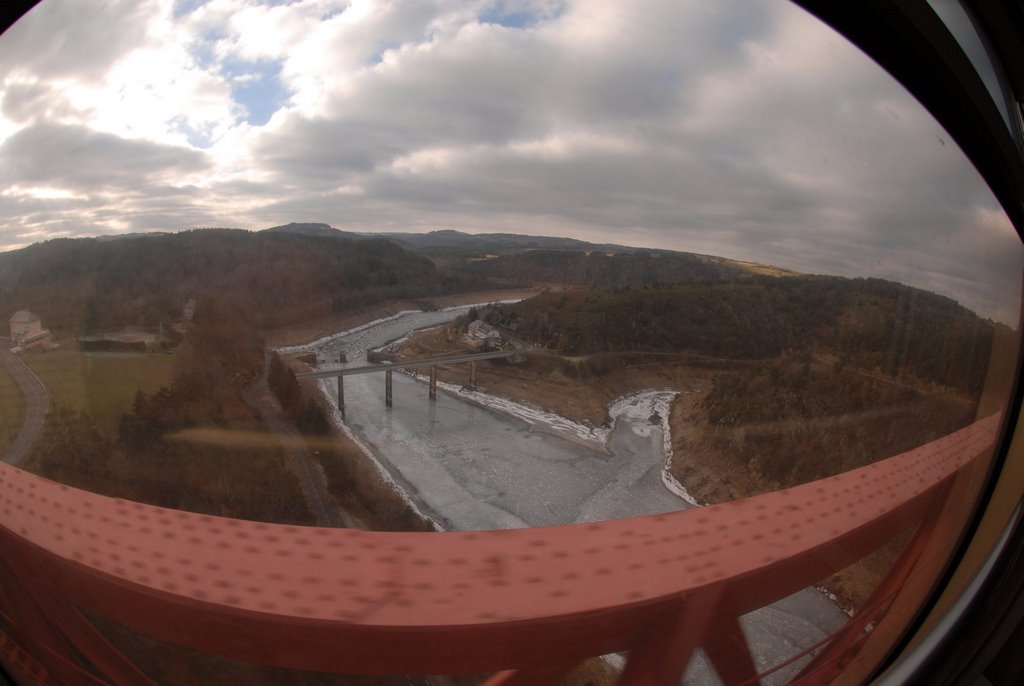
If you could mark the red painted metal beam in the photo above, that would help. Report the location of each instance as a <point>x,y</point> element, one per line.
<point>361,602</point>
<point>21,665</point>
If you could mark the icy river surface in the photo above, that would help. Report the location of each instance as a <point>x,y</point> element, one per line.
<point>471,461</point>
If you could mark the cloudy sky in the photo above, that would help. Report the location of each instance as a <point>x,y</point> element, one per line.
<point>744,129</point>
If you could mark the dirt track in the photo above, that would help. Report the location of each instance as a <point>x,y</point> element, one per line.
<point>314,484</point>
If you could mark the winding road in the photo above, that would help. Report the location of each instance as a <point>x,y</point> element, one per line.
<point>37,404</point>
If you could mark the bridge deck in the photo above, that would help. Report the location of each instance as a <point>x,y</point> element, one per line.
<point>446,602</point>
<point>405,364</point>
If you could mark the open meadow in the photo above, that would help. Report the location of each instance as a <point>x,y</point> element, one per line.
<point>103,385</point>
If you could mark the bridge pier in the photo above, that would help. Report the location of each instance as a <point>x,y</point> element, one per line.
<point>472,376</point>
<point>341,397</point>
<point>387,388</point>
<point>433,382</point>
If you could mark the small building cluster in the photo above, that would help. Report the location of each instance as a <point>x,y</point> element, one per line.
<point>27,331</point>
<point>482,336</point>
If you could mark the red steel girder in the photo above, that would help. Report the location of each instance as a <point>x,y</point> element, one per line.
<point>361,602</point>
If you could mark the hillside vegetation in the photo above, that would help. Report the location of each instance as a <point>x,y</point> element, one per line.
<point>787,422</point>
<point>636,268</point>
<point>299,273</point>
<point>783,380</point>
<point>277,278</point>
<point>803,377</point>
<point>869,323</point>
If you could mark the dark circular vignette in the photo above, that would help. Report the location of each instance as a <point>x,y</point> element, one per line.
<point>999,601</point>
<point>13,10</point>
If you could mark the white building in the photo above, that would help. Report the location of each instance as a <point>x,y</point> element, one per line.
<point>27,330</point>
<point>481,335</point>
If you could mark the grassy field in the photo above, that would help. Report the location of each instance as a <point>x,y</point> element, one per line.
<point>12,409</point>
<point>101,384</point>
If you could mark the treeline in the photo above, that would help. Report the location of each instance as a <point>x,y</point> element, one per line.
<point>793,388</point>
<point>159,458</point>
<point>869,323</point>
<point>788,421</point>
<point>593,267</point>
<point>351,479</point>
<point>296,401</point>
<point>80,286</point>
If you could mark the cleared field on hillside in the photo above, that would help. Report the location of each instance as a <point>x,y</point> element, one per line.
<point>12,409</point>
<point>101,384</point>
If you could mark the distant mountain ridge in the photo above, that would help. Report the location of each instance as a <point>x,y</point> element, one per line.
<point>124,236</point>
<point>449,238</point>
<point>554,253</point>
<point>313,229</point>
<point>498,242</point>
<point>448,246</point>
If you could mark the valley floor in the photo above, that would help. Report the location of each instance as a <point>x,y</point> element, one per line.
<point>710,461</point>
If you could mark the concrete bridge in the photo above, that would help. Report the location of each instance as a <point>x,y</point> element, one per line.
<point>388,368</point>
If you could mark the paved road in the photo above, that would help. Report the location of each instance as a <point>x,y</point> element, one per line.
<point>37,403</point>
<point>260,398</point>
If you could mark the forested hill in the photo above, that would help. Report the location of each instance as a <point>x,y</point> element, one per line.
<point>314,229</point>
<point>302,271</point>
<point>481,243</point>
<point>277,278</point>
<point>515,260</point>
<point>600,269</point>
<point>870,323</point>
<point>526,260</point>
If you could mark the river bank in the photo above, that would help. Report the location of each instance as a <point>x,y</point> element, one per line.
<point>696,467</point>
<point>476,461</point>
<point>581,471</point>
<point>645,411</point>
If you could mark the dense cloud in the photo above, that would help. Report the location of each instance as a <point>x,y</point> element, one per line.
<point>743,129</point>
<point>79,158</point>
<point>76,40</point>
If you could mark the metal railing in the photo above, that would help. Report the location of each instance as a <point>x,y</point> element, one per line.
<point>528,604</point>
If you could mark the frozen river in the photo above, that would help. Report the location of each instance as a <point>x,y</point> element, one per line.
<point>473,462</point>
<point>470,461</point>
